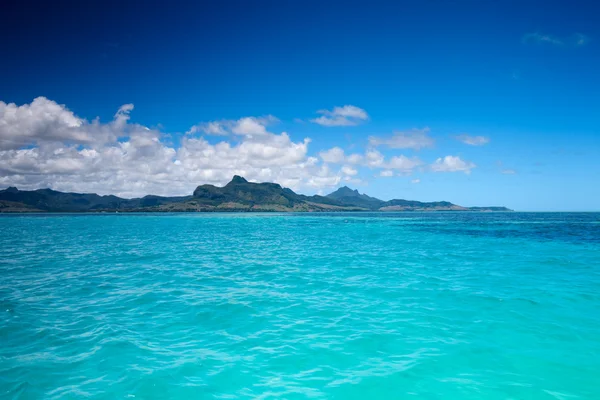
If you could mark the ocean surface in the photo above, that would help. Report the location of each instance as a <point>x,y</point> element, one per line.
<point>265,306</point>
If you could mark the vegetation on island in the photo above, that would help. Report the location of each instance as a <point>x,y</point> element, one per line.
<point>237,195</point>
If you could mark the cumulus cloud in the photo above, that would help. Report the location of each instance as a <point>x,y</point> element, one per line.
<point>247,126</point>
<point>575,40</point>
<point>122,115</point>
<point>43,120</point>
<point>413,139</point>
<point>341,116</point>
<point>372,158</point>
<point>403,164</point>
<point>44,144</point>
<point>473,140</point>
<point>348,170</point>
<point>335,155</point>
<point>452,164</point>
<point>210,128</point>
<point>322,177</point>
<point>355,158</point>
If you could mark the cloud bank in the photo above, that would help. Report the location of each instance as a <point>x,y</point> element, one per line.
<point>44,144</point>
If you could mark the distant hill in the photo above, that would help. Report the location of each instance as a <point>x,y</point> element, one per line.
<point>52,200</point>
<point>348,196</point>
<point>237,195</point>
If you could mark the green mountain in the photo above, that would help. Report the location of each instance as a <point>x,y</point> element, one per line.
<point>348,196</point>
<point>54,201</point>
<point>237,195</point>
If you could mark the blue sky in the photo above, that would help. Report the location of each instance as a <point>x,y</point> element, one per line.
<point>522,75</point>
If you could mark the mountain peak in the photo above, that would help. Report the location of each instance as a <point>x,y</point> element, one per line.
<point>346,191</point>
<point>238,179</point>
<point>354,198</point>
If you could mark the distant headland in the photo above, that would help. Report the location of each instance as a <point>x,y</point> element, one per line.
<point>237,195</point>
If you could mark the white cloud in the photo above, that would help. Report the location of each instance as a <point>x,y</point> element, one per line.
<point>348,170</point>
<point>42,120</point>
<point>355,158</point>
<point>508,171</point>
<point>412,139</point>
<point>246,126</point>
<point>473,140</point>
<point>341,116</point>
<point>122,115</point>
<point>452,164</point>
<point>403,163</point>
<point>575,40</point>
<point>415,181</point>
<point>335,155</point>
<point>251,126</point>
<point>322,177</point>
<point>371,159</point>
<point>348,112</point>
<point>43,144</point>
<point>215,128</point>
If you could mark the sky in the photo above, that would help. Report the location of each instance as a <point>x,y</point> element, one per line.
<point>474,102</point>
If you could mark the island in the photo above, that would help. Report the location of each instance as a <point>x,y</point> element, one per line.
<point>238,195</point>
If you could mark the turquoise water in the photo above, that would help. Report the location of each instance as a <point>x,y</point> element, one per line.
<point>346,306</point>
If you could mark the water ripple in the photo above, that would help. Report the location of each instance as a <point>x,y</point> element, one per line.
<point>436,306</point>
